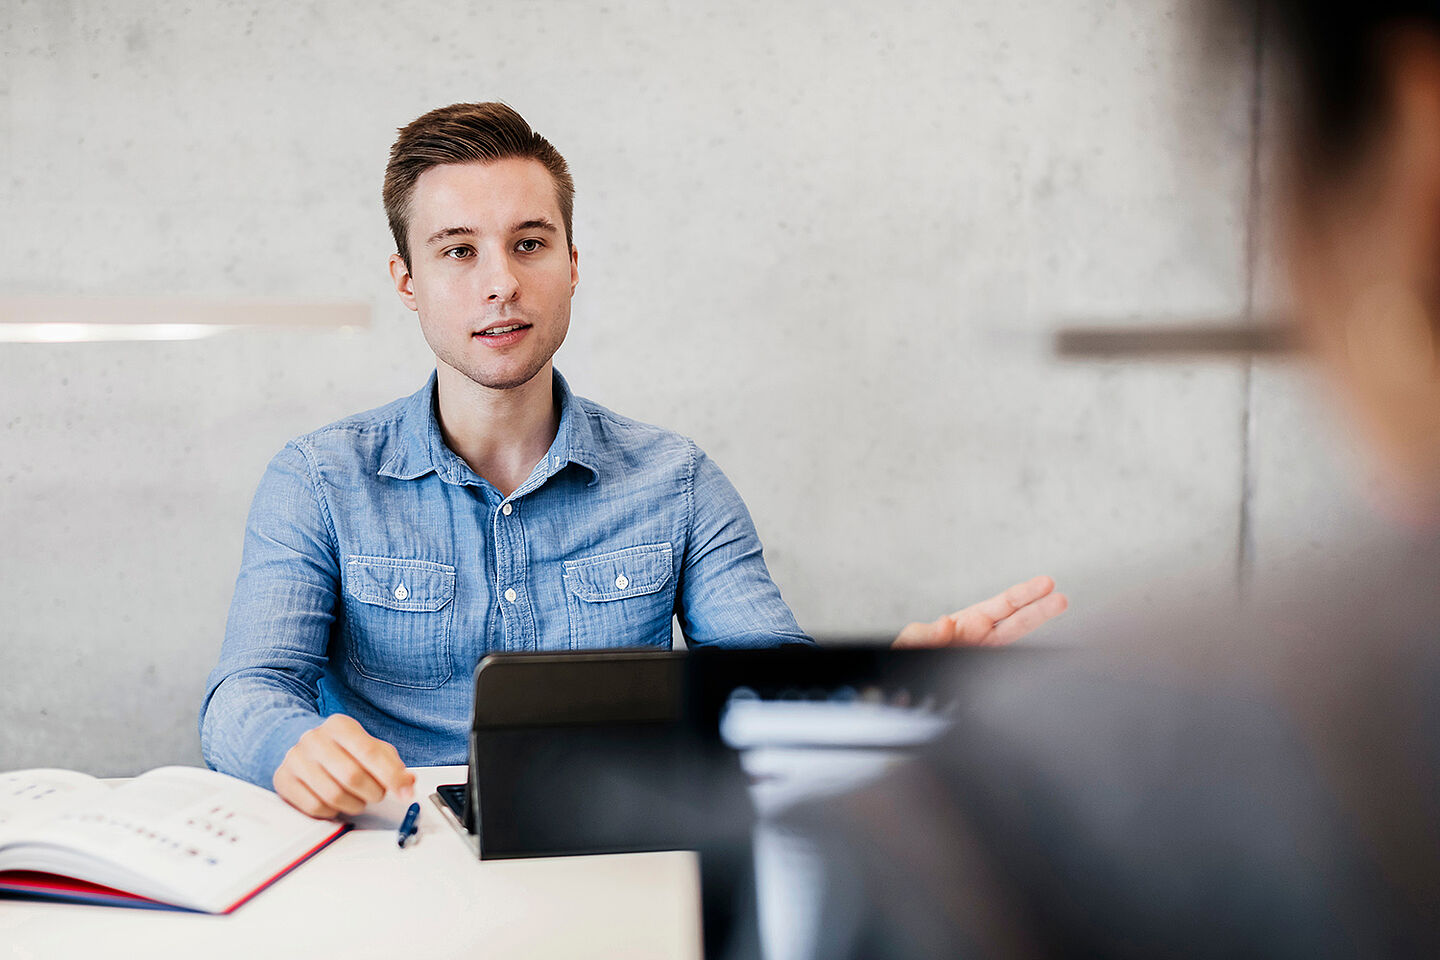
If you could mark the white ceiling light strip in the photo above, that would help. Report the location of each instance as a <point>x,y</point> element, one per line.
<point>96,319</point>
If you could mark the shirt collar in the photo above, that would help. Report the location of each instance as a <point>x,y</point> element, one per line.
<point>422,449</point>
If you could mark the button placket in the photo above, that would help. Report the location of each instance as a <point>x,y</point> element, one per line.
<point>516,615</point>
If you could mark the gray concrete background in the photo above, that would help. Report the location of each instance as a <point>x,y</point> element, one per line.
<point>830,241</point>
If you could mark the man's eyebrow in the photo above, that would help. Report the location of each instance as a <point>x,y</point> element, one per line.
<point>539,223</point>
<point>449,232</point>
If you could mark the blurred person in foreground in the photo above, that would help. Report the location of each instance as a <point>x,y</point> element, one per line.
<point>1261,782</point>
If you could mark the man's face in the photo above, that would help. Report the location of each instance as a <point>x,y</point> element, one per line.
<point>490,273</point>
<point>1362,241</point>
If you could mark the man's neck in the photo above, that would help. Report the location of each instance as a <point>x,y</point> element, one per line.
<point>501,434</point>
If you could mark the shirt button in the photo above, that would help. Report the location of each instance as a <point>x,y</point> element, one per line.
<point>510,594</point>
<point>505,509</point>
<point>401,593</point>
<point>621,582</point>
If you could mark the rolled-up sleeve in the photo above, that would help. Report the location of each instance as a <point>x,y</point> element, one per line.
<point>726,596</point>
<point>262,695</point>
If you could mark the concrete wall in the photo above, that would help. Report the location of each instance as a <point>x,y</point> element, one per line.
<point>830,241</point>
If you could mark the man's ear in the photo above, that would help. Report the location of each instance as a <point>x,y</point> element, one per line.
<point>404,283</point>
<point>574,268</point>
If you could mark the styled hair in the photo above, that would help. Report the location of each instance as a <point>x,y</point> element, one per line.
<point>466,133</point>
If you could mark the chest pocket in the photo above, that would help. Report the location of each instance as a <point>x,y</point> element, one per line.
<point>620,599</point>
<point>397,620</point>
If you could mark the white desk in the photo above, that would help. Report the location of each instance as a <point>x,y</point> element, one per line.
<point>364,897</point>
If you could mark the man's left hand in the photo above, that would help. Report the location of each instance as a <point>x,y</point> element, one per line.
<point>1003,618</point>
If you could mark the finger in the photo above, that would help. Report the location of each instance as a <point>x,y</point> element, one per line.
<point>1009,601</point>
<point>1026,619</point>
<point>380,760</point>
<point>346,771</point>
<point>327,789</point>
<point>289,788</point>
<point>311,766</point>
<point>322,810</point>
<point>935,634</point>
<point>971,628</point>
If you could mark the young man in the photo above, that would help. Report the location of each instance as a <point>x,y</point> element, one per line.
<point>492,510</point>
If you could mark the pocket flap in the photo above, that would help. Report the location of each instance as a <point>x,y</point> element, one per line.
<point>417,585</point>
<point>632,572</point>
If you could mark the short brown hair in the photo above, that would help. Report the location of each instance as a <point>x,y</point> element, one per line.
<point>466,133</point>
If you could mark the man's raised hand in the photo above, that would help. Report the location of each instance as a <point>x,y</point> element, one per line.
<point>1003,618</point>
<point>338,768</point>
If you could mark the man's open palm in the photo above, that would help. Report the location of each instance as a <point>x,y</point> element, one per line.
<point>1003,618</point>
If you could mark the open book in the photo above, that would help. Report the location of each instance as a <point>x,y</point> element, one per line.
<point>173,838</point>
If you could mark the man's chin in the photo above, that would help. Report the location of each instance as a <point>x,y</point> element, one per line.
<point>504,379</point>
<point>504,384</point>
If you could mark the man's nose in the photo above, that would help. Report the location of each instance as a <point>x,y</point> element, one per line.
<point>500,283</point>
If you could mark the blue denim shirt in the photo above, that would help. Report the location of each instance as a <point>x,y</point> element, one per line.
<point>379,568</point>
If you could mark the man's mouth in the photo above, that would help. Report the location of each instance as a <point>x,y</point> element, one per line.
<point>502,330</point>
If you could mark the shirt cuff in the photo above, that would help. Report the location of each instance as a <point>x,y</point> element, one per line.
<point>270,753</point>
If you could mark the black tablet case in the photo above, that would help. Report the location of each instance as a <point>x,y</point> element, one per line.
<point>619,751</point>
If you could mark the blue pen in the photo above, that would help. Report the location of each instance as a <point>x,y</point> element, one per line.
<point>410,825</point>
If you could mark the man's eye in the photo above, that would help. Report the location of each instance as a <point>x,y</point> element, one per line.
<point>458,253</point>
<point>529,245</point>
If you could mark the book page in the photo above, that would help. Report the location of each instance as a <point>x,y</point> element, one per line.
<point>178,834</point>
<point>30,795</point>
